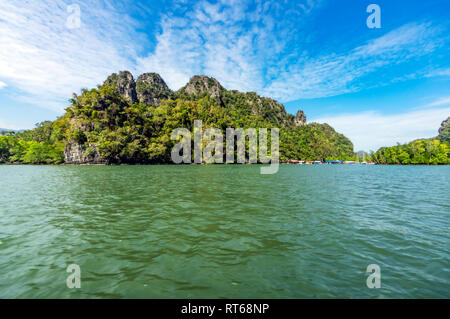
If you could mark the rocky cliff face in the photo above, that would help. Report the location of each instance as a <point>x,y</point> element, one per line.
<point>199,84</point>
<point>265,107</point>
<point>151,89</point>
<point>268,108</point>
<point>76,153</point>
<point>300,118</point>
<point>124,82</point>
<point>444,131</point>
<point>444,124</point>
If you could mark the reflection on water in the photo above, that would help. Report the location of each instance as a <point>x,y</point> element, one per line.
<point>224,231</point>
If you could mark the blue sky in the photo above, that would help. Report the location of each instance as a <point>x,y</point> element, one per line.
<point>377,86</point>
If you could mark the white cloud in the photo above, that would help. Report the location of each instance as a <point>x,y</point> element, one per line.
<point>436,103</point>
<point>211,39</point>
<point>439,102</point>
<point>336,74</point>
<point>2,85</point>
<point>47,61</point>
<point>217,40</point>
<point>372,130</point>
<point>245,47</point>
<point>439,72</point>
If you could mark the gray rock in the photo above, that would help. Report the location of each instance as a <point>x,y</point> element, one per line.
<point>444,131</point>
<point>300,118</point>
<point>200,84</point>
<point>444,124</point>
<point>151,89</point>
<point>262,106</point>
<point>125,84</point>
<point>75,153</point>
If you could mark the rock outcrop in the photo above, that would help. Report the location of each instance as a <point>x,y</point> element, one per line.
<point>444,124</point>
<point>300,118</point>
<point>199,84</point>
<point>269,109</point>
<point>151,89</point>
<point>444,131</point>
<point>125,84</point>
<point>265,107</point>
<point>76,153</point>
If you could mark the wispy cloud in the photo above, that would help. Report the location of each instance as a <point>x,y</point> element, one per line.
<point>215,39</point>
<point>435,103</point>
<point>246,44</point>
<point>2,85</point>
<point>47,61</point>
<point>439,72</point>
<point>372,130</point>
<point>440,102</point>
<point>333,74</point>
<point>233,41</point>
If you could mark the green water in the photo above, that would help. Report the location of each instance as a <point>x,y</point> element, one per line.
<point>224,231</point>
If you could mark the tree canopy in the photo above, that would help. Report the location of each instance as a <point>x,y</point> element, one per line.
<point>104,122</point>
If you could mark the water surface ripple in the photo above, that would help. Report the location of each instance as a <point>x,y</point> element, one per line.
<point>224,231</point>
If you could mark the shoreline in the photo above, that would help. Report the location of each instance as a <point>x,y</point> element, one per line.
<point>204,164</point>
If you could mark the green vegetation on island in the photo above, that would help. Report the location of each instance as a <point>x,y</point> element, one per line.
<point>123,121</point>
<point>431,151</point>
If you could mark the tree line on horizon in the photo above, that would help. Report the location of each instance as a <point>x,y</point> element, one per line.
<point>107,123</point>
<point>432,151</point>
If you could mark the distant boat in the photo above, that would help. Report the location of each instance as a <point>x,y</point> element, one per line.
<point>333,162</point>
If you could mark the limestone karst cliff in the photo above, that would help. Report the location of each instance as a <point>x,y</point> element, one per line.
<point>300,118</point>
<point>444,131</point>
<point>130,121</point>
